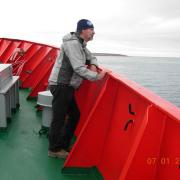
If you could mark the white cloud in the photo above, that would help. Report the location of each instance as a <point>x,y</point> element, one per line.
<point>139,27</point>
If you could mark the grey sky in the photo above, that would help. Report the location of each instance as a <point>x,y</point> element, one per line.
<point>132,27</point>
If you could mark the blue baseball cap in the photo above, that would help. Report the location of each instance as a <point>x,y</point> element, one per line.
<point>84,24</point>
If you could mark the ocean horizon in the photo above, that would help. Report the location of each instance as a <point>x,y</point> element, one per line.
<point>161,75</point>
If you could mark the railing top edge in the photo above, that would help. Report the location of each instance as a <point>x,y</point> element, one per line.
<point>165,106</point>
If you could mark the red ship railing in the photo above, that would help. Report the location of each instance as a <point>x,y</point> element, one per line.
<point>125,132</point>
<point>31,61</point>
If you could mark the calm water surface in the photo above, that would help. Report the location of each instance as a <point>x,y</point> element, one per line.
<point>160,75</point>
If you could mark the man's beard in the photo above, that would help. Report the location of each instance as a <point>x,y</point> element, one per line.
<point>91,38</point>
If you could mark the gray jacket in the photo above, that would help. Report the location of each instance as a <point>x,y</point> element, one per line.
<point>70,67</point>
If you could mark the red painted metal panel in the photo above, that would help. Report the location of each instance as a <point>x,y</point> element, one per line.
<point>160,103</point>
<point>25,57</point>
<point>35,56</point>
<point>9,51</point>
<point>89,145</point>
<point>86,97</point>
<point>44,65</point>
<point>19,57</point>
<point>141,161</point>
<point>127,108</point>
<point>41,85</point>
<point>3,47</point>
<point>169,159</point>
<point>125,131</point>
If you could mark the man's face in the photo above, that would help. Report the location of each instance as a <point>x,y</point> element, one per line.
<point>88,34</point>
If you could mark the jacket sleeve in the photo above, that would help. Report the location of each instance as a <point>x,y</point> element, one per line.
<point>77,59</point>
<point>91,57</point>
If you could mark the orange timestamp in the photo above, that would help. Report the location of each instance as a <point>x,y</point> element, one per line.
<point>163,161</point>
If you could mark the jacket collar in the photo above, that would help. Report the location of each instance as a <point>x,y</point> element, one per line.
<point>81,40</point>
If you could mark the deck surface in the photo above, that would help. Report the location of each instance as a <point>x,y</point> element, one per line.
<point>23,154</point>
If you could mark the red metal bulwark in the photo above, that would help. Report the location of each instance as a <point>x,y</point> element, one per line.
<point>128,133</point>
<point>41,85</point>
<point>31,61</point>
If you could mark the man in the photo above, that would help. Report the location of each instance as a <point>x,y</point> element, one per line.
<point>74,64</point>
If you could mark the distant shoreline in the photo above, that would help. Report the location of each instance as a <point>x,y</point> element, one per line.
<point>108,54</point>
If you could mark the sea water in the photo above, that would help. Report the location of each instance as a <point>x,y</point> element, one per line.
<point>159,74</point>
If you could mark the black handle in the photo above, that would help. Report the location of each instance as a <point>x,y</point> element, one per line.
<point>130,121</point>
<point>130,109</point>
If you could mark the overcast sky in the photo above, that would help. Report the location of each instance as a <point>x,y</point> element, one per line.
<point>131,27</point>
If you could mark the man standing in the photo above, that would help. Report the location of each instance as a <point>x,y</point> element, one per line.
<point>67,74</point>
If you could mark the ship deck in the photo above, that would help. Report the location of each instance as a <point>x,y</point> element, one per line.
<point>24,153</point>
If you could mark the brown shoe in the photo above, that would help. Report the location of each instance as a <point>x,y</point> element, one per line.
<point>59,154</point>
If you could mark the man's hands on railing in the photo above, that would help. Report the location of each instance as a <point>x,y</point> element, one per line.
<point>101,73</point>
<point>92,67</point>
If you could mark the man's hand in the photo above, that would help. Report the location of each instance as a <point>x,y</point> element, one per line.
<point>101,74</point>
<point>92,67</point>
